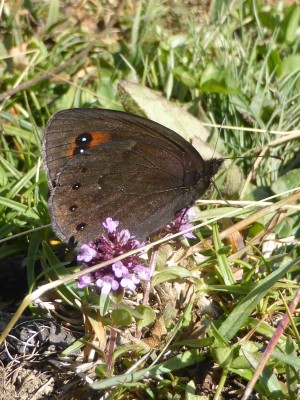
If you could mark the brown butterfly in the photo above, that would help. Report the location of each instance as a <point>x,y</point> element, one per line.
<point>104,163</point>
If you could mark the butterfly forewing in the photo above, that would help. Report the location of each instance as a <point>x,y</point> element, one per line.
<point>129,181</point>
<point>103,163</point>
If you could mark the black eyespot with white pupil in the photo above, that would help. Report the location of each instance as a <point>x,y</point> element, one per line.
<point>76,186</point>
<point>80,227</point>
<point>83,138</point>
<point>82,141</point>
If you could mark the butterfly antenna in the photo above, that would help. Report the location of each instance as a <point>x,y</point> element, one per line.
<point>221,196</point>
<point>270,156</point>
<point>230,158</point>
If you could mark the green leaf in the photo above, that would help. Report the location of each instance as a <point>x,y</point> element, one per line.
<point>255,229</point>
<point>32,256</point>
<point>268,379</point>
<point>121,317</point>
<point>290,360</point>
<point>288,181</point>
<point>21,208</point>
<point>169,274</point>
<point>180,361</point>
<point>74,347</point>
<point>269,20</point>
<point>185,76</point>
<point>53,14</point>
<point>290,24</point>
<point>194,343</point>
<point>104,303</point>
<point>120,350</point>
<point>58,270</point>
<point>190,392</point>
<point>214,80</point>
<point>291,371</point>
<point>223,356</point>
<point>223,267</point>
<point>274,62</point>
<point>101,371</point>
<point>147,316</point>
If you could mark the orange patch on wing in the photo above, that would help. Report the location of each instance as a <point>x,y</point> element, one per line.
<point>98,138</point>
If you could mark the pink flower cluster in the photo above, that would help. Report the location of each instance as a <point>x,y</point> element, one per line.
<point>182,222</point>
<point>126,274</point>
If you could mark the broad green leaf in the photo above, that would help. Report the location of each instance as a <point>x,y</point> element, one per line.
<point>290,64</point>
<point>53,14</point>
<point>169,274</point>
<point>268,379</point>
<point>292,371</point>
<point>147,316</point>
<point>289,180</point>
<point>104,303</point>
<point>185,76</point>
<point>214,80</point>
<point>224,356</point>
<point>121,317</point>
<point>290,24</point>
